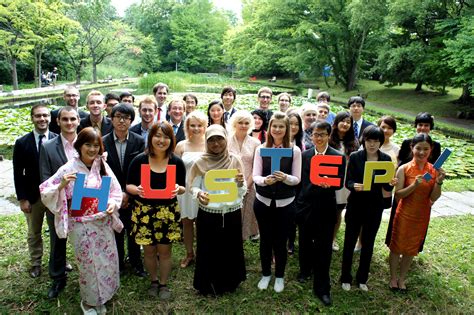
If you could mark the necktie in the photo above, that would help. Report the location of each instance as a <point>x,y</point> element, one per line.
<point>159,114</point>
<point>175,129</point>
<point>226,116</point>
<point>356,130</point>
<point>96,127</point>
<point>40,141</point>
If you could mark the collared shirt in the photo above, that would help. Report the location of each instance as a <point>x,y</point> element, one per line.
<point>68,147</point>
<point>37,134</point>
<point>175,126</point>
<point>321,153</point>
<point>161,111</point>
<point>121,147</point>
<point>144,133</point>
<point>97,126</point>
<point>359,125</point>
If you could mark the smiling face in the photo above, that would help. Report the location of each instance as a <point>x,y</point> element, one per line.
<point>421,151</point>
<point>216,112</point>
<point>294,126</point>
<point>195,128</point>
<point>160,142</point>
<point>68,122</point>
<point>284,103</point>
<point>71,96</point>
<point>176,111</point>
<point>258,121</point>
<point>190,104</point>
<point>387,131</point>
<point>309,118</point>
<point>89,152</point>
<point>423,128</point>
<point>95,105</point>
<point>278,130</point>
<point>228,99</point>
<point>243,126</point>
<point>216,145</point>
<point>161,95</point>
<point>264,100</point>
<point>147,112</point>
<point>322,113</point>
<point>344,125</point>
<point>320,138</point>
<point>40,119</point>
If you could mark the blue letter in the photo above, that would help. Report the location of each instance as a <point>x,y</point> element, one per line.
<point>276,154</point>
<point>80,191</point>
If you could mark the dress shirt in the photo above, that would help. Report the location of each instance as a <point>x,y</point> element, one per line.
<point>68,147</point>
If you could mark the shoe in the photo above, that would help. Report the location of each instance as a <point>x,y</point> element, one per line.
<point>68,267</point>
<point>90,311</point>
<point>164,293</point>
<point>335,247</point>
<point>363,287</point>
<point>189,260</point>
<point>139,272</point>
<point>255,238</point>
<point>325,298</point>
<point>357,249</point>
<point>153,290</point>
<point>291,250</point>
<point>302,277</point>
<point>279,285</point>
<point>56,287</point>
<point>35,271</point>
<point>101,309</point>
<point>346,286</point>
<point>264,282</point>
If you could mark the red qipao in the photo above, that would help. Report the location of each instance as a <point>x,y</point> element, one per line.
<point>413,212</point>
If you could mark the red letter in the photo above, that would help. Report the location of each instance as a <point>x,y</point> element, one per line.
<point>317,170</point>
<point>158,193</point>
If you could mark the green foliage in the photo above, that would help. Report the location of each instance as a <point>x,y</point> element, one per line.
<point>440,281</point>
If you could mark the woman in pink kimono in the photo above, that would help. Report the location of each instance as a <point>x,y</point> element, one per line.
<point>90,231</point>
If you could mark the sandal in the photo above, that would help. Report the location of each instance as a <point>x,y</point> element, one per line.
<point>189,260</point>
<point>164,292</point>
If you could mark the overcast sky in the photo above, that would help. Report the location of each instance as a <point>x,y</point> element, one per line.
<point>233,5</point>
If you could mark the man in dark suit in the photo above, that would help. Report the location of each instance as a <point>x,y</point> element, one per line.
<point>71,96</point>
<point>96,118</point>
<point>356,106</point>
<point>26,176</point>
<point>176,115</point>
<point>228,96</point>
<point>316,216</point>
<point>122,146</point>
<point>53,154</point>
<point>146,109</point>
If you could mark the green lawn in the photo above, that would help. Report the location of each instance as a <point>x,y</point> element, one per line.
<point>441,281</point>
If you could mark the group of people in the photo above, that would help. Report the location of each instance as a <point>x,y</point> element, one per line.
<point>159,194</point>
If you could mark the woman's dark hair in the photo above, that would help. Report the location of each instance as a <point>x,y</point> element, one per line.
<point>349,140</point>
<point>228,89</point>
<point>123,108</point>
<point>389,120</point>
<point>356,99</point>
<point>299,135</point>
<point>372,133</point>
<point>421,137</point>
<point>424,117</point>
<point>215,102</point>
<point>168,131</point>
<point>263,115</point>
<point>90,135</point>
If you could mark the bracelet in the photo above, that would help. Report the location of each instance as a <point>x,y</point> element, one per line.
<point>439,184</point>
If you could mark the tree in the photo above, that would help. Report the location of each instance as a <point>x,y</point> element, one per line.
<point>15,33</point>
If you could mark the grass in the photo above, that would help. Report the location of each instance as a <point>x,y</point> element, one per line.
<point>441,281</point>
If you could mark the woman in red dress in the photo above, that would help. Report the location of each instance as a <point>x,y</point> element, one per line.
<point>415,195</point>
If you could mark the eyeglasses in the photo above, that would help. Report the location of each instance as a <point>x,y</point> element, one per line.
<point>40,115</point>
<point>72,95</point>
<point>320,135</point>
<point>265,97</point>
<point>124,118</point>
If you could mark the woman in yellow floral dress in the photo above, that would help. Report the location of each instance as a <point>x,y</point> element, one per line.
<point>155,222</point>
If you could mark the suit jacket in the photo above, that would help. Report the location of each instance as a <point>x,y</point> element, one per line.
<point>52,157</point>
<point>136,129</point>
<point>405,155</point>
<point>26,171</point>
<point>105,128</point>
<point>314,201</point>
<point>53,125</point>
<point>135,146</point>
<point>180,133</point>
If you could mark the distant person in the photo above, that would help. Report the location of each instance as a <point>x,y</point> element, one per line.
<point>161,91</point>
<point>215,113</point>
<point>71,96</point>
<point>191,103</point>
<point>111,100</point>
<point>356,105</point>
<point>324,97</point>
<point>146,109</point>
<point>96,118</point>
<point>55,153</point>
<point>127,97</point>
<point>26,177</point>
<point>228,96</point>
<point>264,101</point>
<point>284,102</point>
<point>122,146</point>
<point>54,75</point>
<point>176,118</point>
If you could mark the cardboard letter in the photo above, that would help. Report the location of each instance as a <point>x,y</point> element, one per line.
<point>371,166</point>
<point>80,191</point>
<point>158,193</point>
<point>276,154</point>
<point>231,187</point>
<point>317,171</point>
<point>439,162</point>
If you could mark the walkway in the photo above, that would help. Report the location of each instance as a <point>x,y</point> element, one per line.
<point>450,203</point>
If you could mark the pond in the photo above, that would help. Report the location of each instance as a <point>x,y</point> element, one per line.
<point>14,122</point>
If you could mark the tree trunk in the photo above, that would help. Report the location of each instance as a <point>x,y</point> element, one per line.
<point>418,86</point>
<point>78,77</point>
<point>14,73</point>
<point>466,97</point>
<point>352,77</point>
<point>37,71</point>
<point>94,72</point>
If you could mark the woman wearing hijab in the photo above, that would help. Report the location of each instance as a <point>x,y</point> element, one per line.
<point>220,264</point>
